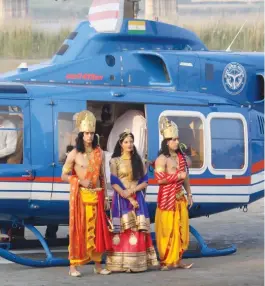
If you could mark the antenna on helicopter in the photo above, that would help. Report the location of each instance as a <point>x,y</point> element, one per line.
<point>136,8</point>
<point>131,8</point>
<point>229,47</point>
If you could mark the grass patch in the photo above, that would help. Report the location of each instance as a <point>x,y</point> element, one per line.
<point>25,42</point>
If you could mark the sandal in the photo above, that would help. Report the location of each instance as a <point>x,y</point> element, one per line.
<point>75,274</point>
<point>102,271</point>
<point>184,266</point>
<point>164,268</point>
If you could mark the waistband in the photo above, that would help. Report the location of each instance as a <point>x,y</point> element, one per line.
<point>90,190</point>
<point>180,194</point>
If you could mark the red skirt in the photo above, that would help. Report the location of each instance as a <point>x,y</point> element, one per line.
<point>132,251</point>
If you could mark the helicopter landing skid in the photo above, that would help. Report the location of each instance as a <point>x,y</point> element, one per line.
<point>50,261</point>
<point>205,250</point>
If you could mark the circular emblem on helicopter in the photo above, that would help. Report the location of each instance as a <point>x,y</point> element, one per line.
<point>234,78</point>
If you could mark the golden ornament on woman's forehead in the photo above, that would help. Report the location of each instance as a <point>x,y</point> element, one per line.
<point>86,121</point>
<point>168,129</point>
<point>127,131</point>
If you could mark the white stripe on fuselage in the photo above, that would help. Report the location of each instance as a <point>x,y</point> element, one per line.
<point>60,191</point>
<point>256,178</point>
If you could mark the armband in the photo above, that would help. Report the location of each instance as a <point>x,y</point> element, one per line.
<point>159,169</point>
<point>66,169</point>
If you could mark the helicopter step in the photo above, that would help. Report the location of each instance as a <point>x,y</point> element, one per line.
<point>50,260</point>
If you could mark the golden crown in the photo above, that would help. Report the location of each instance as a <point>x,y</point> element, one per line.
<point>86,121</point>
<point>168,129</point>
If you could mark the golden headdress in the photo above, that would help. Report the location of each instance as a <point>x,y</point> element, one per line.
<point>126,132</point>
<point>86,121</point>
<point>168,129</point>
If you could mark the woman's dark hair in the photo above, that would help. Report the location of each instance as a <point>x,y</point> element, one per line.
<point>137,164</point>
<point>80,146</point>
<point>164,150</point>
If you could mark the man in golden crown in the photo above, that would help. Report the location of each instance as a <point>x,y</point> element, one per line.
<point>172,218</point>
<point>84,169</point>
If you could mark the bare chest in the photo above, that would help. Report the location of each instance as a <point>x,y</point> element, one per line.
<point>172,165</point>
<point>84,162</point>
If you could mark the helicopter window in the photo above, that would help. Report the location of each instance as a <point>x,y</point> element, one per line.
<point>209,72</point>
<point>110,60</point>
<point>191,138</point>
<point>228,143</point>
<point>72,35</point>
<point>62,50</point>
<point>11,135</point>
<point>67,134</point>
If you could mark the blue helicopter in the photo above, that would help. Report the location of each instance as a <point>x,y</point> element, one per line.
<point>130,78</point>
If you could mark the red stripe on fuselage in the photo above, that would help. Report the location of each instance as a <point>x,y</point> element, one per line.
<point>257,167</point>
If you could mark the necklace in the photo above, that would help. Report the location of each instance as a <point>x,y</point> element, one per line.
<point>173,155</point>
<point>126,156</point>
<point>88,151</point>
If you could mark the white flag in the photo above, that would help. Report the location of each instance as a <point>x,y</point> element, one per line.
<point>106,15</point>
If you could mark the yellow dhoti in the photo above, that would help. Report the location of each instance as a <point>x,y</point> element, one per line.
<point>90,200</point>
<point>172,233</point>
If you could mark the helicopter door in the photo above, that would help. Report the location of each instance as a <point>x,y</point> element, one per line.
<point>229,154</point>
<point>65,133</point>
<point>15,159</point>
<point>41,154</point>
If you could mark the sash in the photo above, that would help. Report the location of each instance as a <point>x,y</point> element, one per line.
<point>167,192</point>
<point>121,206</point>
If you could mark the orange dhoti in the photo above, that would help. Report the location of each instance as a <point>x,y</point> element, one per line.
<point>90,201</point>
<point>172,232</point>
<point>89,235</point>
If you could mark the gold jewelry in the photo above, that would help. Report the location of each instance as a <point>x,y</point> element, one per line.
<point>126,156</point>
<point>66,169</point>
<point>126,132</point>
<point>173,155</point>
<point>88,151</point>
<point>179,195</point>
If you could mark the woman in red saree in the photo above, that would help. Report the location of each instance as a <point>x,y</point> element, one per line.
<point>133,250</point>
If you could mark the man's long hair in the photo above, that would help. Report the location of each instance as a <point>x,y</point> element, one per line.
<point>137,164</point>
<point>80,145</point>
<point>164,150</point>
